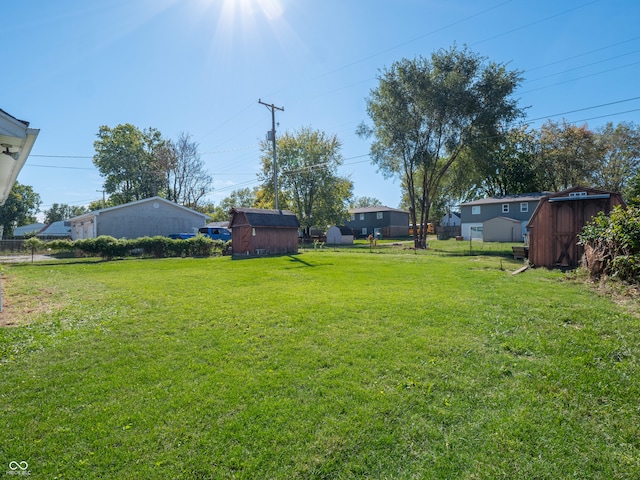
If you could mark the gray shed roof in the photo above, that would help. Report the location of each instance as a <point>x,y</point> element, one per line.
<point>259,217</point>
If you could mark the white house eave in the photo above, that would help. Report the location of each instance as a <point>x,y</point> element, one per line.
<point>14,151</point>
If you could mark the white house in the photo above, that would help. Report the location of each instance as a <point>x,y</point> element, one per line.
<point>145,218</point>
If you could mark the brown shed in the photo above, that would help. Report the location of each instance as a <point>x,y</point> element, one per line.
<point>557,221</point>
<point>256,231</point>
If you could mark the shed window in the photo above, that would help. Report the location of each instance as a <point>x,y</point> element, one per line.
<point>505,208</point>
<point>475,210</point>
<point>362,216</point>
<point>524,207</point>
<point>253,232</point>
<point>379,215</point>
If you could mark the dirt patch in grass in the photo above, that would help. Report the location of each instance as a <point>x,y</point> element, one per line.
<point>21,309</point>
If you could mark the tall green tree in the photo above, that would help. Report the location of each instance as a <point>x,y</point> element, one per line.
<point>62,211</point>
<point>426,112</point>
<point>185,179</point>
<point>243,197</point>
<point>363,202</point>
<point>125,157</point>
<point>308,180</point>
<point>506,164</point>
<point>568,155</point>
<point>21,208</point>
<point>618,150</point>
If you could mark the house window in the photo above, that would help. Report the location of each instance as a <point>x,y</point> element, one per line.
<point>475,210</point>
<point>353,217</point>
<point>379,215</point>
<point>505,208</point>
<point>362,216</point>
<point>363,231</point>
<point>524,207</point>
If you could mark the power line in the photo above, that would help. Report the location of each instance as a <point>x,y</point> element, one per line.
<point>542,20</point>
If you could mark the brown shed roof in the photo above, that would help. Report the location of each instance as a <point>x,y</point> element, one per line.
<point>259,217</point>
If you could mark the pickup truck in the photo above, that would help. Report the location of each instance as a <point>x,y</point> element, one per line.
<point>214,233</point>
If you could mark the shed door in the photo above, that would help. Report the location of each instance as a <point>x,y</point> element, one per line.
<point>245,240</point>
<point>564,236</point>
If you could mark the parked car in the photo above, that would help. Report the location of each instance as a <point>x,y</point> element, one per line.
<point>214,233</point>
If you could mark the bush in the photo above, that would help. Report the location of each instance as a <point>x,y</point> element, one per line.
<point>612,244</point>
<point>200,246</point>
<point>160,247</point>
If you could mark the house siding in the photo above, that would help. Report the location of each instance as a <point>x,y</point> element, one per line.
<point>491,208</point>
<point>147,218</point>
<point>394,223</point>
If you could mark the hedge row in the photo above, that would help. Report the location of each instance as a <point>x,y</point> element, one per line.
<point>109,247</point>
<point>612,245</point>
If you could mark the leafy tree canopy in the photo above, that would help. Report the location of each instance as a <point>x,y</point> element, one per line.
<point>62,211</point>
<point>308,183</point>
<point>21,208</point>
<point>426,112</point>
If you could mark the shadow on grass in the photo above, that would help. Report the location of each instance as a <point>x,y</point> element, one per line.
<point>299,260</point>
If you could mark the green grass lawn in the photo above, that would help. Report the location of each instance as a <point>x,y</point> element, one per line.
<point>334,363</point>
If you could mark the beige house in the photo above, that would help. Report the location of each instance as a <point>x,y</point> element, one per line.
<point>145,218</point>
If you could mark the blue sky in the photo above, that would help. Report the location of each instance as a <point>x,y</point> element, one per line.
<point>200,67</point>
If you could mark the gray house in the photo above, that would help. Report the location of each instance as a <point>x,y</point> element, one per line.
<point>381,221</point>
<point>473,215</point>
<point>144,218</point>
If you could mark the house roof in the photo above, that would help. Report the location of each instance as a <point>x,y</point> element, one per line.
<point>523,197</point>
<point>258,217</point>
<point>56,229</point>
<point>379,208</point>
<point>26,229</point>
<point>17,140</point>
<point>138,202</point>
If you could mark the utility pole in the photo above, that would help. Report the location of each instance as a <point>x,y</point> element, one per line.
<point>272,136</point>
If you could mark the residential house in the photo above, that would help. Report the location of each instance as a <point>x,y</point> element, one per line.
<point>256,232</point>
<point>144,218</point>
<point>474,214</point>
<point>380,221</point>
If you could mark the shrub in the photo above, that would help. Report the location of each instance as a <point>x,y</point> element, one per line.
<point>200,246</point>
<point>612,244</point>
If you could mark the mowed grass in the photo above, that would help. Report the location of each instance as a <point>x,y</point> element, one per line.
<point>331,364</point>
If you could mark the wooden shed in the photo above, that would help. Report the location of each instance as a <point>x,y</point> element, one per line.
<point>256,231</point>
<point>557,221</point>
